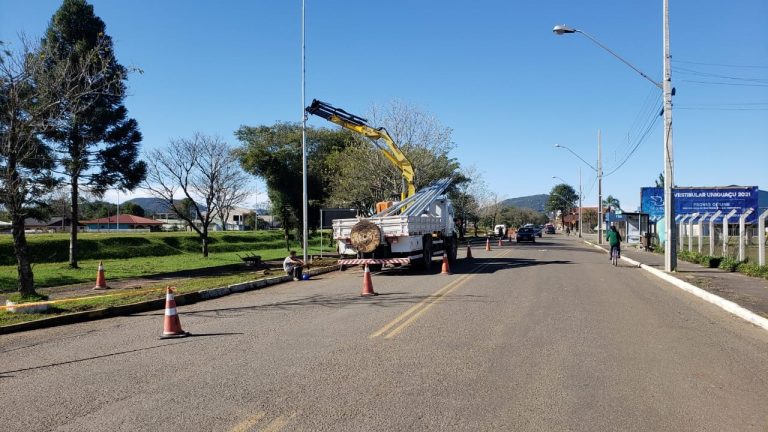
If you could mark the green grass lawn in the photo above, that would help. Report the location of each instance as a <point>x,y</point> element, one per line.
<point>136,255</point>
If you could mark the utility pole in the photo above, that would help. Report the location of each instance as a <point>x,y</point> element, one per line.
<point>670,242</point>
<point>304,195</point>
<point>670,254</point>
<point>599,189</point>
<point>580,203</point>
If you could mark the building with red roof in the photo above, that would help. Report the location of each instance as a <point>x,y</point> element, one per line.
<point>121,222</point>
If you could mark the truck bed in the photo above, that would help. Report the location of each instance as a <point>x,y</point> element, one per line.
<point>391,226</point>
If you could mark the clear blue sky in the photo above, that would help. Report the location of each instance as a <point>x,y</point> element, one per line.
<point>493,71</point>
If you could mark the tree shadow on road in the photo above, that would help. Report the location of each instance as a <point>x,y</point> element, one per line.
<point>474,265</point>
<point>383,299</point>
<point>492,265</point>
<point>4,374</point>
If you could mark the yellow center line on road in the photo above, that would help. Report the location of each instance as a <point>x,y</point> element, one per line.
<point>415,307</point>
<point>416,311</point>
<point>418,314</point>
<point>248,423</point>
<point>278,423</point>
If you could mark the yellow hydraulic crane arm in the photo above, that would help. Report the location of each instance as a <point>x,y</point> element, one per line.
<point>359,125</point>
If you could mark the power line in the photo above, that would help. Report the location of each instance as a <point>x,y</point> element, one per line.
<point>725,83</point>
<point>731,104</point>
<point>719,109</point>
<point>647,113</point>
<point>720,64</point>
<point>636,146</point>
<point>686,71</point>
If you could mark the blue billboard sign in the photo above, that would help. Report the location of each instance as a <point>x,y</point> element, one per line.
<point>701,200</point>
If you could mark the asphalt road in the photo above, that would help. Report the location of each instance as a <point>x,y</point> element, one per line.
<point>546,336</point>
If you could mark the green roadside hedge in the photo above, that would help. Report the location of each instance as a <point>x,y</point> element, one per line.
<point>726,263</point>
<point>51,248</point>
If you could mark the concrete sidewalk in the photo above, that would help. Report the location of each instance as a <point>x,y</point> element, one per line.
<point>748,292</point>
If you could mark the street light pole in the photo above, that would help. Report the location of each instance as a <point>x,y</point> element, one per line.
<point>600,216</point>
<point>599,173</point>
<point>580,203</point>
<point>670,254</point>
<point>304,197</point>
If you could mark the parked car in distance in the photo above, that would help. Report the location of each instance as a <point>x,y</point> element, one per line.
<point>549,229</point>
<point>526,234</point>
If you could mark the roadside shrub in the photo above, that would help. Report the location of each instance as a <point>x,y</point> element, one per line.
<point>710,261</point>
<point>753,269</point>
<point>729,263</point>
<point>688,256</point>
<point>701,259</point>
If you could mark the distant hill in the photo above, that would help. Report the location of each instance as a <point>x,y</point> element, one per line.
<point>535,202</point>
<point>151,205</point>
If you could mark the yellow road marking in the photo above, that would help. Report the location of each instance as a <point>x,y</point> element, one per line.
<point>415,307</point>
<point>415,311</point>
<point>277,424</point>
<point>248,423</point>
<point>418,314</point>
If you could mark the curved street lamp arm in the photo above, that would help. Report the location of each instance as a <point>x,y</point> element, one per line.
<point>597,42</point>
<point>576,154</point>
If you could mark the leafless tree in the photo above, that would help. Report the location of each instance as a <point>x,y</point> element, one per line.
<point>490,208</point>
<point>26,162</point>
<point>364,176</point>
<point>467,197</point>
<point>232,188</point>
<point>421,136</point>
<point>188,174</point>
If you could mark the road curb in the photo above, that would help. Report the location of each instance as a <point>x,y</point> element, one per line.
<point>158,304</point>
<point>705,295</point>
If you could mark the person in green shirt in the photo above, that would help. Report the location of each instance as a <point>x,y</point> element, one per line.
<point>614,239</point>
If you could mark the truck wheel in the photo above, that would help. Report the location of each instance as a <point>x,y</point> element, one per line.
<point>427,257</point>
<point>453,248</point>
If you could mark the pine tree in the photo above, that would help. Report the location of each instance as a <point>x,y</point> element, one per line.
<point>97,147</point>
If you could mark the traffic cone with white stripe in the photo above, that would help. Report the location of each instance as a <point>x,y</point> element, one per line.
<point>171,324</point>
<point>469,251</point>
<point>101,282</point>
<point>488,244</point>
<point>367,284</point>
<point>446,266</point>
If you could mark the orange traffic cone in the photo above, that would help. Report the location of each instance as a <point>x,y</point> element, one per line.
<point>367,284</point>
<point>446,266</point>
<point>469,252</point>
<point>488,245</point>
<point>171,324</point>
<point>101,282</point>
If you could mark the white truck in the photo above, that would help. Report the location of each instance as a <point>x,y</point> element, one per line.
<point>413,231</point>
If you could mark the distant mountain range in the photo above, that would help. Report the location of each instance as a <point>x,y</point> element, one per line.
<point>535,202</point>
<point>151,206</point>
